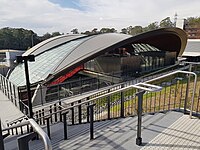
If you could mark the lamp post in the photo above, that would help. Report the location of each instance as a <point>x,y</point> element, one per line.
<point>25,59</point>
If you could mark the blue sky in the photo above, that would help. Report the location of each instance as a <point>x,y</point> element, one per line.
<point>44,16</point>
<point>68,4</point>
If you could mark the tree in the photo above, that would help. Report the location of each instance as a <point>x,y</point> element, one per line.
<point>86,32</point>
<point>94,31</point>
<point>135,30</point>
<point>153,26</point>
<point>166,23</point>
<point>108,30</point>
<point>46,36</point>
<point>124,31</point>
<point>193,22</point>
<point>75,31</point>
<point>55,34</point>
<point>17,38</point>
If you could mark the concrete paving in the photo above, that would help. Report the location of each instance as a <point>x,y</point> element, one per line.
<point>182,134</point>
<point>8,111</point>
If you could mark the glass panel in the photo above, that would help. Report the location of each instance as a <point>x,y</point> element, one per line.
<point>44,63</point>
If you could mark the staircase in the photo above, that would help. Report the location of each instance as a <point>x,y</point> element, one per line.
<point>110,134</point>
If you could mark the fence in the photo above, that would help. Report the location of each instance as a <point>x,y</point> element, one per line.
<point>175,95</point>
<point>12,92</point>
<point>122,101</point>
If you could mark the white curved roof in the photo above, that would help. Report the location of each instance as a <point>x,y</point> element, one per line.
<point>59,55</point>
<point>192,48</point>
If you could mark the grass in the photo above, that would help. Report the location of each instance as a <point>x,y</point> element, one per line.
<point>170,97</point>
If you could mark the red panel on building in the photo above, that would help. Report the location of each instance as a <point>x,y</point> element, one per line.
<point>66,76</point>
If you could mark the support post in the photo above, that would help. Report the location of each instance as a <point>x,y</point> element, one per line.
<point>187,90</point>
<point>108,104</point>
<point>91,108</point>
<point>25,59</point>
<point>48,128</point>
<point>72,113</point>
<point>79,113</point>
<point>139,112</point>
<point>122,102</point>
<point>28,89</point>
<point>65,125</point>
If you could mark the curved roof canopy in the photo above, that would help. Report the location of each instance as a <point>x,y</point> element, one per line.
<point>192,48</point>
<point>56,56</point>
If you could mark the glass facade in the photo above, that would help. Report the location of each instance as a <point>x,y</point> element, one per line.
<point>44,63</point>
<point>130,60</point>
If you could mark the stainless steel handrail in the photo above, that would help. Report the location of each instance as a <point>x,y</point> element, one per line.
<point>184,72</point>
<point>38,129</point>
<point>43,135</point>
<point>137,87</point>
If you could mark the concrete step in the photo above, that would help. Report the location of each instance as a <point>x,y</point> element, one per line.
<point>109,134</point>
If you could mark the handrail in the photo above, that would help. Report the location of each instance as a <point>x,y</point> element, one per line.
<point>152,88</point>
<point>130,87</point>
<point>184,72</point>
<point>38,129</point>
<point>44,136</point>
<point>126,83</point>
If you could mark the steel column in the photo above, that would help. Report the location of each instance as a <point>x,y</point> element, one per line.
<point>139,112</point>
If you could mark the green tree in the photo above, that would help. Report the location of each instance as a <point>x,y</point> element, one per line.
<point>166,23</point>
<point>75,31</point>
<point>108,30</point>
<point>124,31</point>
<point>55,34</point>
<point>135,30</point>
<point>16,38</point>
<point>193,22</point>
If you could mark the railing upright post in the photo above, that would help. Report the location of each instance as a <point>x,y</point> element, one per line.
<point>55,115</point>
<point>91,108</point>
<point>60,108</point>
<point>72,113</point>
<point>11,92</point>
<point>139,112</point>
<point>108,103</point>
<point>1,138</point>
<point>122,102</point>
<point>48,128</point>
<point>187,89</point>
<point>88,114</point>
<point>14,94</point>
<point>65,125</point>
<point>79,113</point>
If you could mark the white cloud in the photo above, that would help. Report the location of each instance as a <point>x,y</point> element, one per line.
<point>43,16</point>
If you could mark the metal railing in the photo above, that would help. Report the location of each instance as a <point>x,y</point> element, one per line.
<point>121,102</point>
<point>30,123</point>
<point>10,90</point>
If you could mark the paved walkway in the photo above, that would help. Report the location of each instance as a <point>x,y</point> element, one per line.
<point>8,111</point>
<point>182,134</point>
